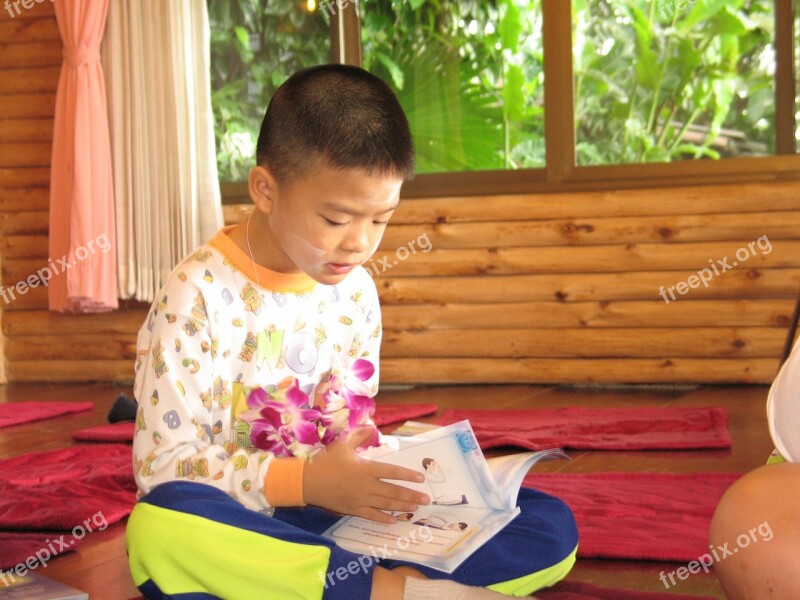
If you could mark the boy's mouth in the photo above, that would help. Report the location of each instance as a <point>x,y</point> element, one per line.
<point>341,268</point>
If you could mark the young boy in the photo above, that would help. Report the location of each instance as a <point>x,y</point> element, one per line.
<point>255,376</point>
<point>766,501</point>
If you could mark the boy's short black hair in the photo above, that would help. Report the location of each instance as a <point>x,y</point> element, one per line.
<point>340,115</point>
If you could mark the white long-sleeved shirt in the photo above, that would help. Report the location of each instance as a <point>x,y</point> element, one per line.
<point>212,334</point>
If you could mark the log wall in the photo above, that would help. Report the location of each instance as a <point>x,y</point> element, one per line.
<point>550,288</point>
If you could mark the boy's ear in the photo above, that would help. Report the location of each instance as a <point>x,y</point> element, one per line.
<point>262,187</point>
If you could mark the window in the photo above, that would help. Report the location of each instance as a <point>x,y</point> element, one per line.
<point>510,96</point>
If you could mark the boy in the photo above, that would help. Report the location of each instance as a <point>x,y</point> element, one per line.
<point>766,500</point>
<point>256,368</point>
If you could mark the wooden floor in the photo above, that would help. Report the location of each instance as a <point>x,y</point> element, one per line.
<point>99,566</point>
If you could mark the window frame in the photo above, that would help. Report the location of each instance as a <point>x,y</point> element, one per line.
<point>561,173</point>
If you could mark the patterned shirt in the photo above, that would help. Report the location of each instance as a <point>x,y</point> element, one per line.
<point>221,326</point>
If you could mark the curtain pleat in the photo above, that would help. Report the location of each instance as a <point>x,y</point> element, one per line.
<point>157,62</point>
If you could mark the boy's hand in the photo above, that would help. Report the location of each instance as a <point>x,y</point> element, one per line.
<point>338,479</point>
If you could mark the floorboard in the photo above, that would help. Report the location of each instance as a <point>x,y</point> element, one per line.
<point>99,566</point>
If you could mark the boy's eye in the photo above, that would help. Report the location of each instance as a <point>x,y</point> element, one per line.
<point>380,222</point>
<point>333,223</point>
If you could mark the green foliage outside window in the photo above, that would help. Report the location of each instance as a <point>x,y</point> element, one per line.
<point>469,75</point>
<point>660,80</point>
<point>255,47</point>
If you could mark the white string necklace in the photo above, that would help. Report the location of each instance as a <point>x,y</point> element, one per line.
<point>250,250</point>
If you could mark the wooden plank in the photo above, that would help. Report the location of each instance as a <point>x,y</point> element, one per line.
<point>29,80</point>
<point>595,231</point>
<point>32,299</point>
<point>25,154</point>
<point>603,314</point>
<point>25,199</point>
<point>38,10</point>
<point>736,284</point>
<point>509,261</point>
<point>696,342</point>
<point>554,371</point>
<point>31,54</point>
<point>715,342</point>
<point>42,322</point>
<point>29,221</point>
<point>466,370</point>
<point>28,106</point>
<point>708,199</point>
<point>37,371</point>
<point>17,30</point>
<point>24,246</point>
<point>75,347</point>
<point>695,200</point>
<point>26,130</point>
<point>578,259</point>
<point>27,177</point>
<point>522,315</point>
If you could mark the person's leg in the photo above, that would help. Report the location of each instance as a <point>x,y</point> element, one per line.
<point>536,550</point>
<point>190,538</point>
<point>755,534</point>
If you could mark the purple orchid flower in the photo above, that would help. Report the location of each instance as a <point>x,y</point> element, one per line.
<point>289,428</point>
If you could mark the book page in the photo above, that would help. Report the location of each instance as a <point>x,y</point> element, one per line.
<point>456,473</point>
<point>509,471</point>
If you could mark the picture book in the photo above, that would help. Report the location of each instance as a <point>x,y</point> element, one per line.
<point>472,498</point>
<point>33,586</point>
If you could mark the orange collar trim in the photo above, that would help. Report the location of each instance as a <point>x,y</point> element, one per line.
<point>269,279</point>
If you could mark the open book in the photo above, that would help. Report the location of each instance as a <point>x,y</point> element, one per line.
<point>471,499</point>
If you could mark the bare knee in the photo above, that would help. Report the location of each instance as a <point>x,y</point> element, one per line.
<point>755,534</point>
<point>388,584</point>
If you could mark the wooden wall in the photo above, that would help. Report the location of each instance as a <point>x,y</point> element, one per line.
<point>533,288</point>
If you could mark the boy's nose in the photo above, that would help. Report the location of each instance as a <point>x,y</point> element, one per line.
<point>357,241</point>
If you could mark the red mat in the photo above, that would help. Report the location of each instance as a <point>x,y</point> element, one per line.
<point>121,432</point>
<point>575,590</point>
<point>17,413</point>
<point>60,489</point>
<point>650,516</point>
<point>393,413</point>
<point>634,428</point>
<point>16,548</point>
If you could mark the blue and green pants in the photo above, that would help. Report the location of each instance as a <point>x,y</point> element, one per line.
<point>190,541</point>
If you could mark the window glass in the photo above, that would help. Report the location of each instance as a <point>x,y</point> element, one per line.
<point>256,46</point>
<point>468,74</point>
<point>666,80</point>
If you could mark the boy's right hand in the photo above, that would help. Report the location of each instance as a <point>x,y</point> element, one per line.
<point>337,479</point>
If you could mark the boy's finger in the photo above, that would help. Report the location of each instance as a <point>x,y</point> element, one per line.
<point>385,471</point>
<point>403,494</point>
<point>374,514</point>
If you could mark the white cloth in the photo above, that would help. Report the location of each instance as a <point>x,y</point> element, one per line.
<point>783,408</point>
<point>157,59</point>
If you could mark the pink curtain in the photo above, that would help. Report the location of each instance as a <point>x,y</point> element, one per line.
<point>82,230</point>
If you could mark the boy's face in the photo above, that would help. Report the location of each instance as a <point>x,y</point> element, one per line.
<point>326,222</point>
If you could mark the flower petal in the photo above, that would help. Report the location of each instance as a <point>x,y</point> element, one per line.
<point>363,369</point>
